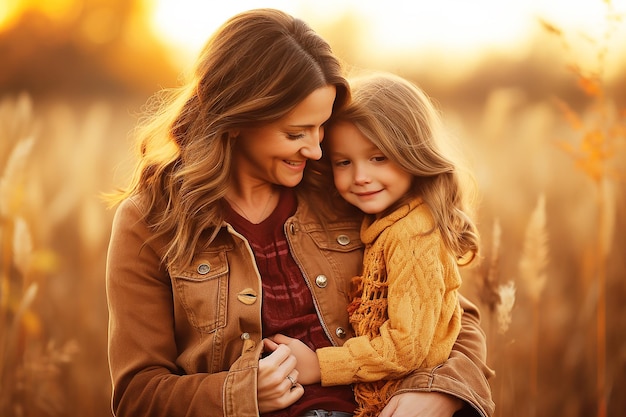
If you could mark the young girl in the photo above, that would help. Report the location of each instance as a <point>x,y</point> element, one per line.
<point>386,161</point>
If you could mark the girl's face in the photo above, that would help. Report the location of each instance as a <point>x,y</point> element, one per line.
<point>363,175</point>
<point>277,153</point>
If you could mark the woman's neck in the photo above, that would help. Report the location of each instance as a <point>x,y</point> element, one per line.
<point>254,204</point>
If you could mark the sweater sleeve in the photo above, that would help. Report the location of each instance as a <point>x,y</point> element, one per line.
<point>423,314</point>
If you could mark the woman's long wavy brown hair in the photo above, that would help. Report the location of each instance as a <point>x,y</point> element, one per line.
<point>255,69</point>
<point>397,117</point>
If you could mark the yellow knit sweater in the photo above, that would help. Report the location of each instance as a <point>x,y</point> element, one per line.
<point>406,312</point>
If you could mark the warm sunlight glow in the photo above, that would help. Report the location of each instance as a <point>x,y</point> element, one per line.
<point>462,27</point>
<point>9,10</point>
<point>186,24</point>
<point>53,9</point>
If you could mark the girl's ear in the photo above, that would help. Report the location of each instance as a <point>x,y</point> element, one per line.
<point>234,133</point>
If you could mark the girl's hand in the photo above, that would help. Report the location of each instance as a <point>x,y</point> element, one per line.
<point>308,365</point>
<point>421,404</point>
<point>277,385</point>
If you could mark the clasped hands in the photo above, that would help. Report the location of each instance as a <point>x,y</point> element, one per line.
<point>288,364</point>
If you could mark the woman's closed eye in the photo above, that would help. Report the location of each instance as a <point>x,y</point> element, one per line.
<point>295,136</point>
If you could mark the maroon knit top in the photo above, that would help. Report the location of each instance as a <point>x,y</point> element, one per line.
<point>287,302</point>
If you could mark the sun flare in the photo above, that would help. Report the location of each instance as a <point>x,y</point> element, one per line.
<point>395,26</point>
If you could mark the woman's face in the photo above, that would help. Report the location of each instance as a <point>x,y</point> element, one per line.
<point>277,153</point>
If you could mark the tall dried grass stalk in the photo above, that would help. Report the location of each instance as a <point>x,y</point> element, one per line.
<point>504,310</point>
<point>488,293</point>
<point>534,258</point>
<point>602,134</point>
<point>499,299</point>
<point>532,269</point>
<point>13,178</point>
<point>22,246</point>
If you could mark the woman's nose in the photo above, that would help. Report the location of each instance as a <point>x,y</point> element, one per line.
<point>312,149</point>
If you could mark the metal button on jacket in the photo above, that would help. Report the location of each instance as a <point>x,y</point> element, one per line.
<point>321,281</point>
<point>340,332</point>
<point>204,269</point>
<point>343,240</point>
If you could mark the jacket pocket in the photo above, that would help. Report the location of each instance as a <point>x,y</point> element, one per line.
<point>341,250</point>
<point>337,239</point>
<point>202,289</point>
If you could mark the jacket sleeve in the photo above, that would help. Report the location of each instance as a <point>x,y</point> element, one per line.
<point>142,345</point>
<point>465,373</point>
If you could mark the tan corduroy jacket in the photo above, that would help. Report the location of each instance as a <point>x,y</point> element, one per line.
<point>186,341</point>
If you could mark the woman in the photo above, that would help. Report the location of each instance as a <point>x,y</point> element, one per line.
<point>221,240</point>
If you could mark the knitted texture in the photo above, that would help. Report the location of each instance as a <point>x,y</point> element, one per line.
<point>405,309</point>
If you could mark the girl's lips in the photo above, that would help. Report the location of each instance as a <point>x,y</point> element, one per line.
<point>366,194</point>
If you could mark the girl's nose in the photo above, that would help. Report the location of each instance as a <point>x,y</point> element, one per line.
<point>361,176</point>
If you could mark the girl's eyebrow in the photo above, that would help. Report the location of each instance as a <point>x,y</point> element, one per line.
<point>336,154</point>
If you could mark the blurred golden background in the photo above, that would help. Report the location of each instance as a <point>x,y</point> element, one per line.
<point>535,92</point>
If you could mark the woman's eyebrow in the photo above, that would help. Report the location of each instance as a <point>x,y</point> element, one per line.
<point>302,126</point>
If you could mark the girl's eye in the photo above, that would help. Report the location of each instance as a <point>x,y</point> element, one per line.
<point>379,158</point>
<point>342,163</point>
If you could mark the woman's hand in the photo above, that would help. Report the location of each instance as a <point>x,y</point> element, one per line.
<point>308,365</point>
<point>422,404</point>
<point>277,385</point>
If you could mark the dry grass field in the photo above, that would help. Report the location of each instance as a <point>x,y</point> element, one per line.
<point>547,145</point>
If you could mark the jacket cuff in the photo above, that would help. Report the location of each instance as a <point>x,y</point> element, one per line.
<point>459,377</point>
<point>240,386</point>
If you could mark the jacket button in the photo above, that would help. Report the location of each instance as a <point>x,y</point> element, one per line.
<point>340,332</point>
<point>247,296</point>
<point>321,281</point>
<point>204,269</point>
<point>292,229</point>
<point>245,336</point>
<point>343,240</point>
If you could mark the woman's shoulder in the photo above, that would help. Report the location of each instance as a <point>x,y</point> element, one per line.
<point>132,208</point>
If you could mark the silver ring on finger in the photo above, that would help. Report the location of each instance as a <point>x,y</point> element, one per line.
<point>293,381</point>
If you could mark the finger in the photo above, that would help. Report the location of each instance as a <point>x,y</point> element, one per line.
<point>281,339</point>
<point>389,408</point>
<point>297,391</point>
<point>292,377</point>
<point>294,374</point>
<point>269,345</point>
<point>278,355</point>
<point>274,368</point>
<point>282,401</point>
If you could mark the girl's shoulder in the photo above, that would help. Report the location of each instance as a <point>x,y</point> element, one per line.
<point>418,220</point>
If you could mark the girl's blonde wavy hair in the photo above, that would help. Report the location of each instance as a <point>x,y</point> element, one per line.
<point>255,69</point>
<point>397,117</point>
